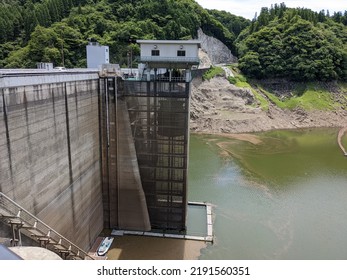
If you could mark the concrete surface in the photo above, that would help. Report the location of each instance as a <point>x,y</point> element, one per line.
<point>35,253</point>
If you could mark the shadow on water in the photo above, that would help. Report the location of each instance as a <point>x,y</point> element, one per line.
<point>157,248</point>
<point>153,248</point>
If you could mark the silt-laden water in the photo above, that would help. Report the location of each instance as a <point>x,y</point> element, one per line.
<point>283,196</point>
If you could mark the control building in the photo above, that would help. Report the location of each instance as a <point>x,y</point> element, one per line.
<point>97,55</point>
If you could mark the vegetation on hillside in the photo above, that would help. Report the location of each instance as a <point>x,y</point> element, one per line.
<point>302,95</point>
<point>50,30</point>
<point>18,18</point>
<point>281,42</point>
<point>213,72</point>
<point>294,43</point>
<point>234,24</point>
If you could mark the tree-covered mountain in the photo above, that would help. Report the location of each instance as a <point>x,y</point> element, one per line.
<point>18,18</point>
<point>41,30</point>
<point>279,43</point>
<point>294,43</point>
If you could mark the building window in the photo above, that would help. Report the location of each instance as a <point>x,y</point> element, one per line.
<point>181,53</point>
<point>155,53</point>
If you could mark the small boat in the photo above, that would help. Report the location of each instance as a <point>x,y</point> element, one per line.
<point>104,246</point>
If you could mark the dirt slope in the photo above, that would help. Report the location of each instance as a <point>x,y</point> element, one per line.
<point>220,107</point>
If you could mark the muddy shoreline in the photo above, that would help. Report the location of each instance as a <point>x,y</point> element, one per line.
<point>218,107</point>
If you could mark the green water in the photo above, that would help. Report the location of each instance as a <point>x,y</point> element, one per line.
<point>283,198</point>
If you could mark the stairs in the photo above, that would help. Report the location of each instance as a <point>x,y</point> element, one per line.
<point>21,221</point>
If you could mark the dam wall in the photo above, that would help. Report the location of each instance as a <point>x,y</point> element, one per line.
<point>50,150</point>
<point>84,152</point>
<point>124,200</point>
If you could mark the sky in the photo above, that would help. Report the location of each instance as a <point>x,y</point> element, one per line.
<point>248,8</point>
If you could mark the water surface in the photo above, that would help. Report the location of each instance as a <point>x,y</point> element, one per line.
<point>283,196</point>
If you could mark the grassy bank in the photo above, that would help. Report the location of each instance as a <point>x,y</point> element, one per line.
<point>309,96</point>
<point>213,72</point>
<point>241,82</point>
<point>311,99</point>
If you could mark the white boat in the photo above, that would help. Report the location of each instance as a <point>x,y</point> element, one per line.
<point>104,246</point>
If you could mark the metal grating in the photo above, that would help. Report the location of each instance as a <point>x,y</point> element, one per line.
<point>159,117</point>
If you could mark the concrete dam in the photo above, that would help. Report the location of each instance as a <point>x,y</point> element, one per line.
<point>84,151</point>
<point>50,150</point>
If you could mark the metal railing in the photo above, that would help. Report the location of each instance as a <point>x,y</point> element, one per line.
<point>21,220</point>
<point>174,59</point>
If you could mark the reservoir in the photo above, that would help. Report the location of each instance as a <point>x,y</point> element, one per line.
<point>276,195</point>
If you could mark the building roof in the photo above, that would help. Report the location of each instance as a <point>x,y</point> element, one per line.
<point>175,42</point>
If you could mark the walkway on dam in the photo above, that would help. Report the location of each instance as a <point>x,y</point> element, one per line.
<point>26,77</point>
<point>339,139</point>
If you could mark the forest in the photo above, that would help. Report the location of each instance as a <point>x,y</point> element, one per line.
<point>298,44</point>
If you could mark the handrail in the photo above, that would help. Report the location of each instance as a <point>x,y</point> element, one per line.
<point>38,228</point>
<point>158,78</point>
<point>178,59</point>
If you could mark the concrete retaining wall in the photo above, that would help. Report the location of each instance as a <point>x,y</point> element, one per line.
<point>50,155</point>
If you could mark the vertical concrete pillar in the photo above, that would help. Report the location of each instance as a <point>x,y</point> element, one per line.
<point>188,75</point>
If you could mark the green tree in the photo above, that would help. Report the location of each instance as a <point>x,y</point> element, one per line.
<point>250,64</point>
<point>115,23</point>
<point>30,19</point>
<point>293,47</point>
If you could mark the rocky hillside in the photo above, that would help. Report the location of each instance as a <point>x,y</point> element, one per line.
<point>217,106</point>
<point>217,51</point>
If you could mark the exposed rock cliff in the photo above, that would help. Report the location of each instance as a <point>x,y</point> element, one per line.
<point>216,51</point>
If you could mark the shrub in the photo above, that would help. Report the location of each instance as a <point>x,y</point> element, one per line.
<point>213,72</point>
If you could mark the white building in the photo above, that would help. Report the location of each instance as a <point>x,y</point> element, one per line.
<point>169,55</point>
<point>97,55</point>
<point>179,54</point>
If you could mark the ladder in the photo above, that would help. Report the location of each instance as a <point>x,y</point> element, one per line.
<point>21,221</point>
